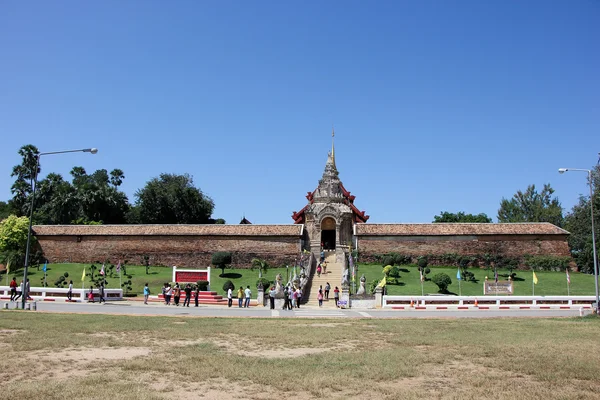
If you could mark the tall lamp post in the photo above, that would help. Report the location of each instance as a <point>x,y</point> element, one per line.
<point>25,293</point>
<point>562,171</point>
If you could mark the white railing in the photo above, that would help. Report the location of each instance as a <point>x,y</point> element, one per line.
<point>424,301</point>
<point>60,294</point>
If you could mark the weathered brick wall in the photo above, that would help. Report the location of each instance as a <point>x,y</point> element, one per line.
<point>514,246</point>
<point>183,251</point>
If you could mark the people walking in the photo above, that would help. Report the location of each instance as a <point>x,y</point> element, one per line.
<point>176,294</point>
<point>168,294</point>
<point>320,298</point>
<point>240,296</point>
<point>327,288</point>
<point>188,295</point>
<point>146,293</point>
<point>13,289</point>
<point>319,270</point>
<point>90,295</point>
<point>70,291</point>
<point>336,296</point>
<point>101,293</point>
<point>19,291</point>
<point>272,297</point>
<point>248,294</point>
<point>298,297</point>
<point>229,297</point>
<point>197,288</point>
<point>324,265</point>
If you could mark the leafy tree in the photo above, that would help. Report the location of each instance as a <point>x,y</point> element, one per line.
<point>5,210</point>
<point>13,233</point>
<point>228,285</point>
<point>260,265</point>
<point>460,216</point>
<point>578,223</point>
<point>87,198</point>
<point>172,199</point>
<point>531,206</point>
<point>221,259</point>
<point>394,274</point>
<point>24,174</point>
<point>442,281</point>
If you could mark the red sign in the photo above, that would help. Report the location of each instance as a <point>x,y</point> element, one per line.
<point>190,276</point>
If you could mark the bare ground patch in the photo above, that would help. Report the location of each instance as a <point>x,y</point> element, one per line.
<point>241,346</point>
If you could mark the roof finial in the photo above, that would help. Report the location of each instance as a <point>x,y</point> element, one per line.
<point>332,146</point>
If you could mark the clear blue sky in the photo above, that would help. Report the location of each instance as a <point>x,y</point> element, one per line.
<point>437,105</point>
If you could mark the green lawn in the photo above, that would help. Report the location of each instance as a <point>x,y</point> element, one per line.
<point>156,278</point>
<point>549,283</point>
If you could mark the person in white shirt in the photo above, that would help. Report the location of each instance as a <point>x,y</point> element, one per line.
<point>248,294</point>
<point>229,297</point>
<point>70,292</point>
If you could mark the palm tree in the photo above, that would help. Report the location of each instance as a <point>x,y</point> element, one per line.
<point>261,265</point>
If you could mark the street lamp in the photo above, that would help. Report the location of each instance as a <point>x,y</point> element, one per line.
<point>25,293</point>
<point>562,171</point>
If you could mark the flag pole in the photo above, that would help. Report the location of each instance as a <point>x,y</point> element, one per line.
<point>459,289</point>
<point>533,286</point>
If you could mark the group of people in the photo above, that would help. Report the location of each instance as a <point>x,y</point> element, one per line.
<point>17,291</point>
<point>243,296</point>
<point>175,293</point>
<point>292,297</point>
<point>90,295</point>
<point>324,294</point>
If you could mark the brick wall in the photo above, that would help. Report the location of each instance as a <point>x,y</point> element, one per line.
<point>514,246</point>
<point>183,251</point>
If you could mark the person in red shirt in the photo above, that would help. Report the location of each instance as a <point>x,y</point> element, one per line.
<point>13,288</point>
<point>336,296</point>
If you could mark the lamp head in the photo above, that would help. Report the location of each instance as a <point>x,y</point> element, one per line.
<point>92,150</point>
<point>562,170</point>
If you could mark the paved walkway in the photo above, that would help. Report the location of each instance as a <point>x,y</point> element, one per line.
<point>158,309</point>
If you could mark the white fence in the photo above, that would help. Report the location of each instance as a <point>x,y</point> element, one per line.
<point>483,302</point>
<point>60,294</point>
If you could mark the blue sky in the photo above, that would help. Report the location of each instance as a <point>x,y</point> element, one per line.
<point>437,105</point>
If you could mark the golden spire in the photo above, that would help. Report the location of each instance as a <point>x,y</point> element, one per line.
<point>332,147</point>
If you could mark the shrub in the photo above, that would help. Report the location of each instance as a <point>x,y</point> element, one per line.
<point>387,269</point>
<point>372,286</point>
<point>221,259</point>
<point>422,261</point>
<point>547,263</point>
<point>202,285</point>
<point>66,274</point>
<point>387,260</point>
<point>265,283</point>
<point>227,285</point>
<point>442,281</point>
<point>394,273</point>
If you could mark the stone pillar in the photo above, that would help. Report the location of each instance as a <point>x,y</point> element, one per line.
<point>378,297</point>
<point>260,297</point>
<point>345,297</point>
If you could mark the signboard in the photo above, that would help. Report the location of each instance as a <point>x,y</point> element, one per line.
<point>500,287</point>
<point>191,275</point>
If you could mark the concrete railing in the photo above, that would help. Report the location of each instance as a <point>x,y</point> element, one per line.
<point>60,294</point>
<point>487,301</point>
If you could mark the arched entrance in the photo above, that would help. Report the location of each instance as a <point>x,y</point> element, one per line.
<point>328,233</point>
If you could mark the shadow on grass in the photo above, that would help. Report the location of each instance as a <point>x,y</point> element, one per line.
<point>404,270</point>
<point>231,275</point>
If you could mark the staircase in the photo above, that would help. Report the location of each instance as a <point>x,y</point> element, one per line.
<point>333,276</point>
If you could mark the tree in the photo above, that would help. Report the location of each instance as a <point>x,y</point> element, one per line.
<point>460,216</point>
<point>261,265</point>
<point>24,174</point>
<point>13,240</point>
<point>172,199</point>
<point>87,198</point>
<point>221,259</point>
<point>531,206</point>
<point>5,210</point>
<point>442,281</point>
<point>578,223</point>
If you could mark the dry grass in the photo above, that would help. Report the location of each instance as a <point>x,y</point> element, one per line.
<point>53,356</point>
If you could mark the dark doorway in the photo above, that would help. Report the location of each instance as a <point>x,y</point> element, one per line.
<point>328,239</point>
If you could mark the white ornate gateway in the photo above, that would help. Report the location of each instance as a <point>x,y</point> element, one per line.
<point>330,215</point>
